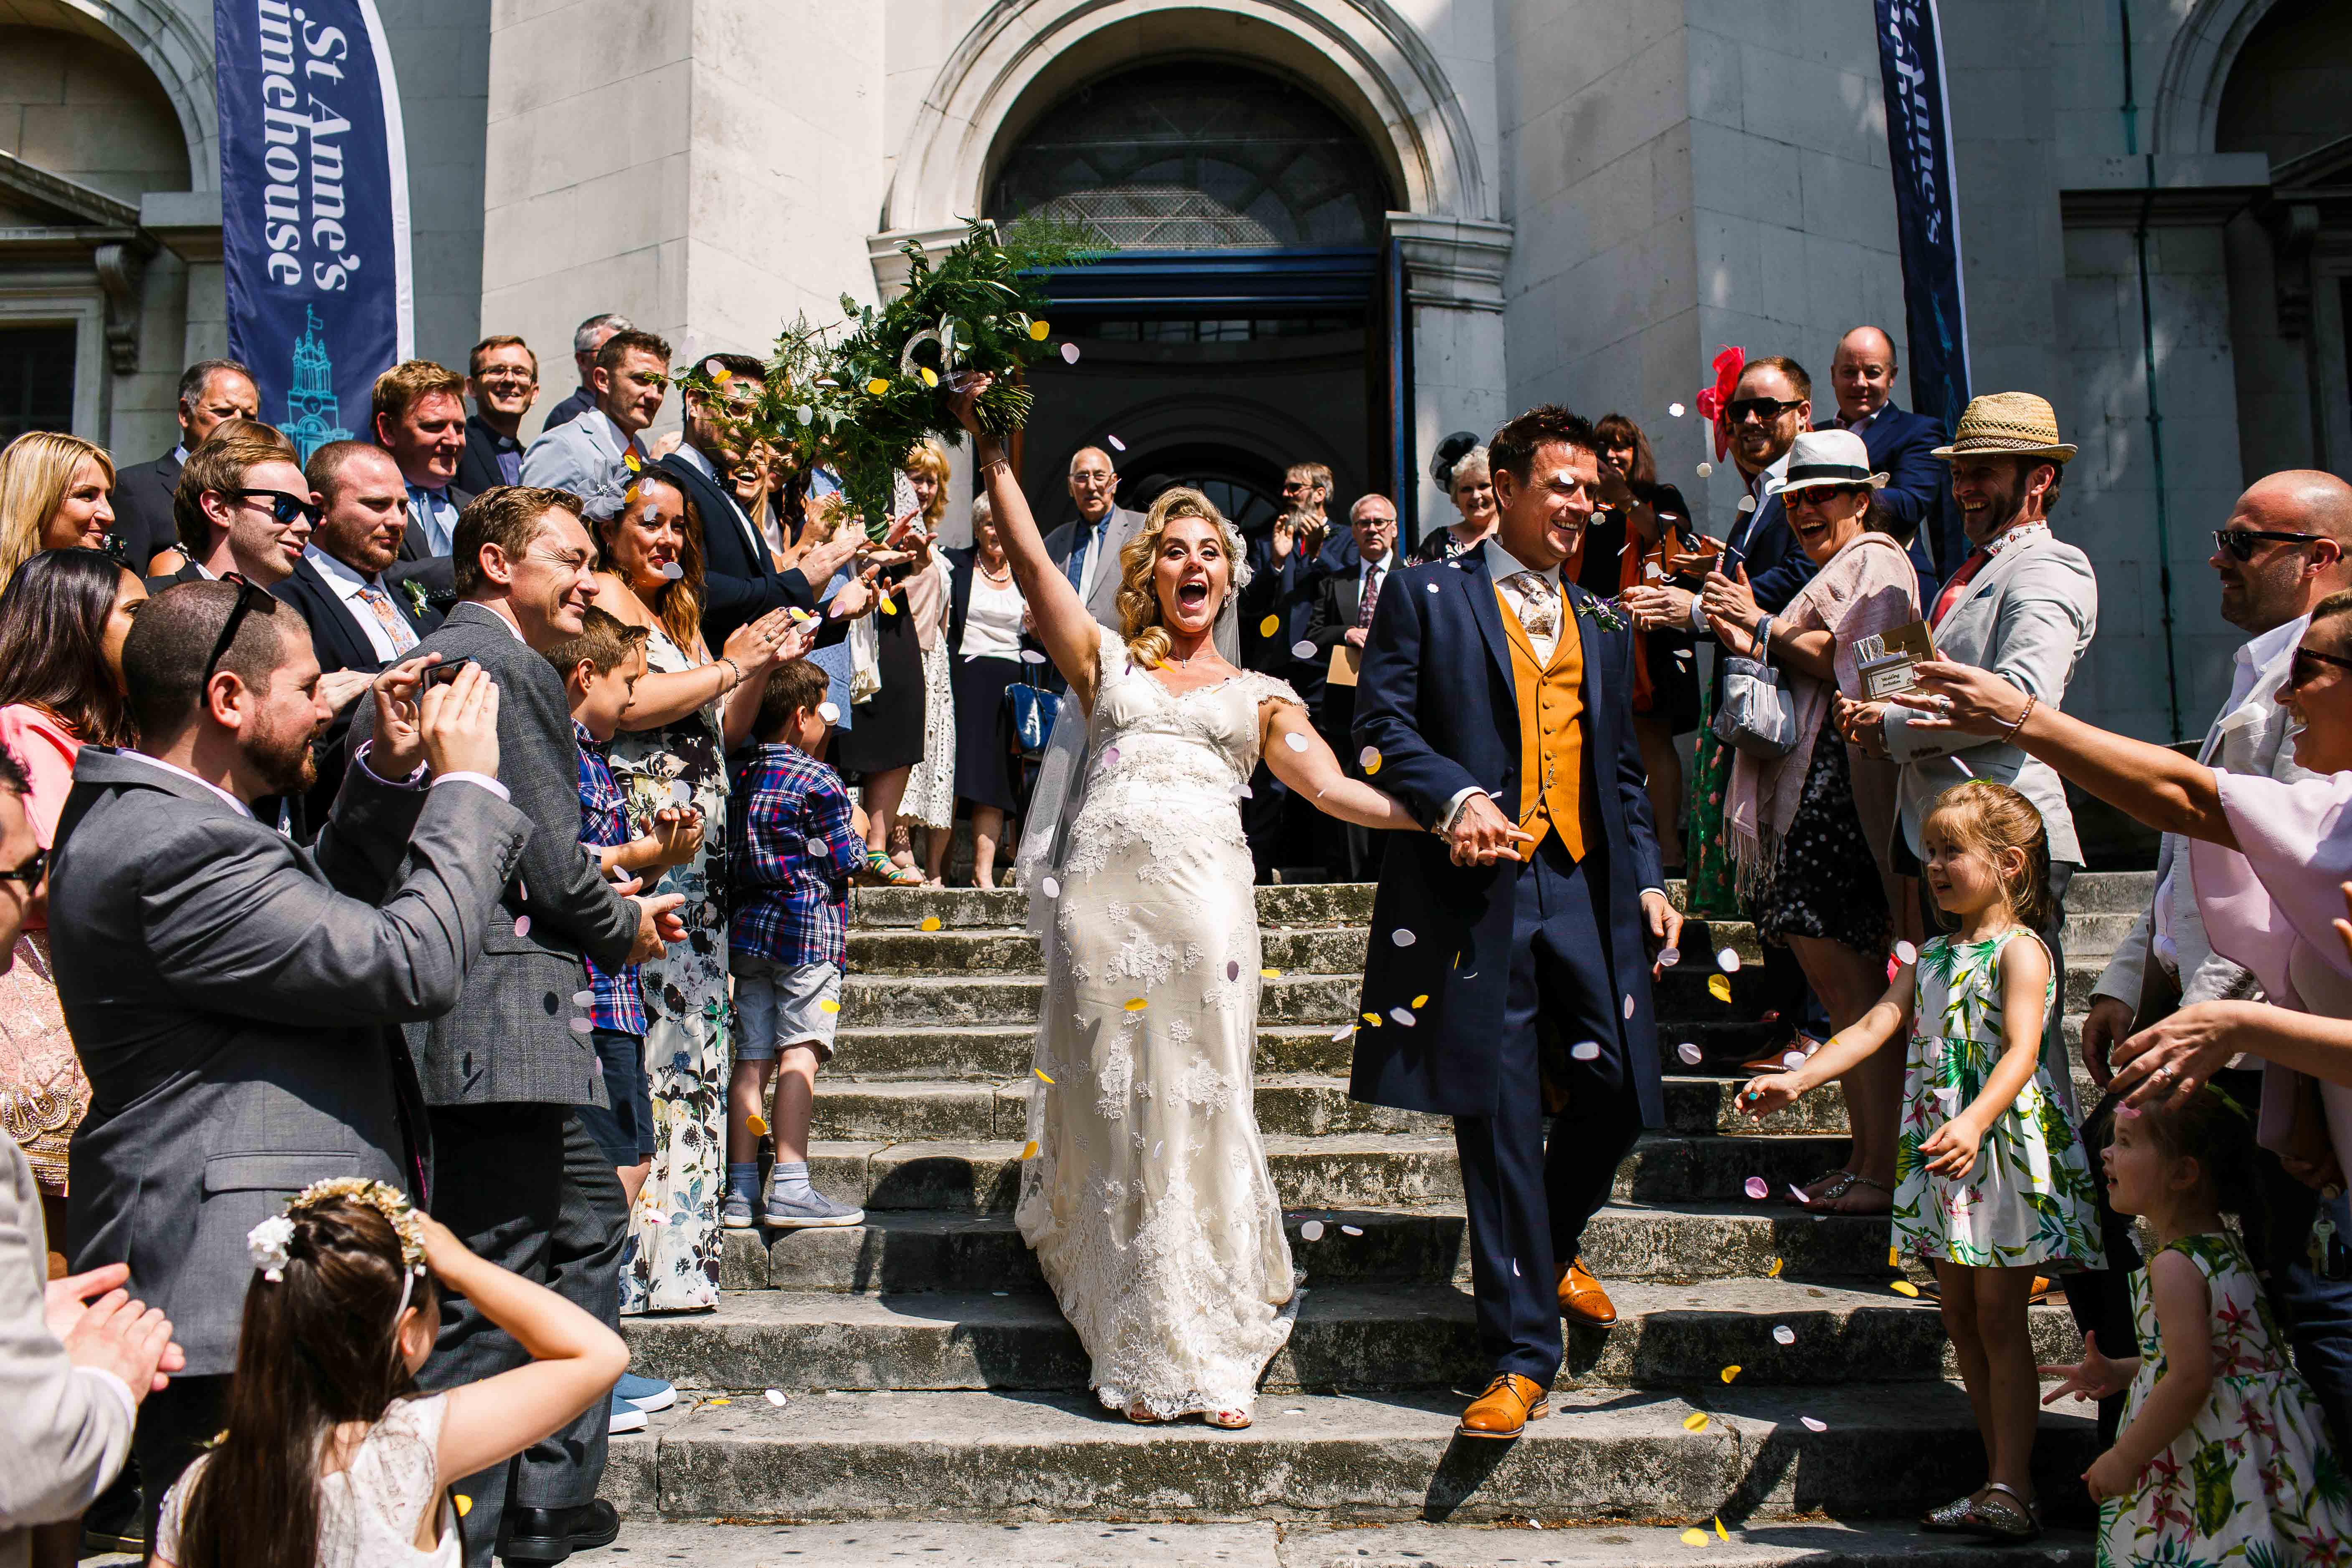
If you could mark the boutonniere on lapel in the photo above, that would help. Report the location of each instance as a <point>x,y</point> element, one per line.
<point>415,592</point>
<point>1606,613</point>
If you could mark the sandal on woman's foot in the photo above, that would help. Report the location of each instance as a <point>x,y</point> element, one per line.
<point>882,872</point>
<point>1952,1518</point>
<point>1228,1420</point>
<point>1827,1186</point>
<point>1140,1414</point>
<point>1849,1198</point>
<point>2003,1513</point>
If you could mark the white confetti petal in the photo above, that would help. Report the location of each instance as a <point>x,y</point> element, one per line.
<point>1906,953</point>
<point>1403,1016</point>
<point>776,1397</point>
<point>1669,956</point>
<point>816,846</point>
<point>1728,960</point>
<point>1050,888</point>
<point>1705,470</point>
<point>1747,503</point>
<point>584,998</point>
<point>1342,1032</point>
<point>1295,740</point>
<point>1793,1060</point>
<point>1311,1231</point>
<point>1783,1334</point>
<point>1069,353</point>
<point>1629,1005</point>
<point>1031,656</point>
<point>1675,409</point>
<point>1302,648</point>
<point>1515,1267</point>
<point>829,711</point>
<point>1351,1230</point>
<point>1116,444</point>
<point>672,570</point>
<point>581,1026</point>
<point>1585,1050</point>
<point>1401,938</point>
<point>1690,1053</point>
<point>1432,587</point>
<point>1813,1426</point>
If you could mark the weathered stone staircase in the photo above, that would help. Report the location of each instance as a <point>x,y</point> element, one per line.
<point>1763,1369</point>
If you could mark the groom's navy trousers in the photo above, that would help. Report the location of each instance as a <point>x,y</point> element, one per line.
<point>1529,1205</point>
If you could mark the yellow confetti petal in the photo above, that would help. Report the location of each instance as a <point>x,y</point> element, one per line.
<point>1271,973</point>
<point>1137,1003</point>
<point>1729,1373</point>
<point>931,377</point>
<point>630,459</point>
<point>1373,1019</point>
<point>1719,987</point>
<point>756,1124</point>
<point>1029,1152</point>
<point>723,376</point>
<point>890,606</point>
<point>828,1005</point>
<point>1721,1533</point>
<point>1040,330</point>
<point>722,1399</point>
<point>1420,1001</point>
<point>1904,1288</point>
<point>1694,1538</point>
<point>1268,626</point>
<point>931,922</point>
<point>1893,1259</point>
<point>464,1504</point>
<point>1773,1270</point>
<point>877,386</point>
<point>1695,1422</point>
<point>1040,1073</point>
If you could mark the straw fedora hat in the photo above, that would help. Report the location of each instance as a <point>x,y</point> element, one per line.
<point>2013,424</point>
<point>1826,458</point>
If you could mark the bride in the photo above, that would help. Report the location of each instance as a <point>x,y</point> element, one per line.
<point>1145,1192</point>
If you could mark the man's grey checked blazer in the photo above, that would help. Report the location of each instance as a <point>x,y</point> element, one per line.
<point>509,1037</point>
<point>2026,615</point>
<point>232,995</point>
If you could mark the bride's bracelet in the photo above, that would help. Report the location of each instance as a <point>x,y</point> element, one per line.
<point>2009,735</point>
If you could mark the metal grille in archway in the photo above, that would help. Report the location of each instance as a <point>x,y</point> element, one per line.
<point>1193,156</point>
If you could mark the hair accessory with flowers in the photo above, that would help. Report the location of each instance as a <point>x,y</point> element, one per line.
<point>270,1243</point>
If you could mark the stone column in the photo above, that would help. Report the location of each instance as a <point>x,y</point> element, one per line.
<point>1453,288</point>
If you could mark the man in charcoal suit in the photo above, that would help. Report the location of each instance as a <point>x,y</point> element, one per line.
<point>232,994</point>
<point>1344,603</point>
<point>1498,698</point>
<point>517,1175</point>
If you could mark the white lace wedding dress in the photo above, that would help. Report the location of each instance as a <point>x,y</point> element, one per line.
<point>1147,1200</point>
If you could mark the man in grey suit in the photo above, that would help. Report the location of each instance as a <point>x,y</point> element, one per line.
<point>1087,549</point>
<point>595,455</point>
<point>77,1354</point>
<point>232,994</point>
<point>516,1175</point>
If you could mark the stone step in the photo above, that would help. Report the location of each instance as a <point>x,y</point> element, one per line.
<point>1346,1336</point>
<point>1514,1543</point>
<point>964,1249</point>
<point>1884,1452</point>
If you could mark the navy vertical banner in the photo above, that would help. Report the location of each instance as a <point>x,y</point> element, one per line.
<point>1926,205</point>
<point>314,208</point>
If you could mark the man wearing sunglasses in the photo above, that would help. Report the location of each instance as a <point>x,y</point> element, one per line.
<point>243,506</point>
<point>235,996</point>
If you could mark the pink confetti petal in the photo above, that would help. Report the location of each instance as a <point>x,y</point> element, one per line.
<point>1585,1050</point>
<point>1629,1005</point>
<point>1756,1187</point>
<point>1669,956</point>
<point>1793,1060</point>
<point>581,1026</point>
<point>1233,969</point>
<point>1110,755</point>
<point>1813,1426</point>
<point>1689,1053</point>
<point>1069,353</point>
<point>522,925</point>
<point>584,998</point>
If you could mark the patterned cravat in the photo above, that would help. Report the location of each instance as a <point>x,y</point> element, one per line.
<point>1539,605</point>
<point>1373,576</point>
<point>395,625</point>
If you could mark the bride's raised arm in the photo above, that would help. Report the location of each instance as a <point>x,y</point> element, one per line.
<point>1072,639</point>
<point>1300,758</point>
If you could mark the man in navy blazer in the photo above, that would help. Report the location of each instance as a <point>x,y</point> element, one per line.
<point>1902,447</point>
<point>1534,906</point>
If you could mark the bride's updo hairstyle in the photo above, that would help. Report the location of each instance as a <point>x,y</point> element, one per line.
<point>1139,595</point>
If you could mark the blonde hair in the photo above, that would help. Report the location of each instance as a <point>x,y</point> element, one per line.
<point>932,459</point>
<point>1138,598</point>
<point>35,472</point>
<point>1992,817</point>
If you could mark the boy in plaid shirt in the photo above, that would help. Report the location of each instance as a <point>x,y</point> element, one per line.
<point>796,838</point>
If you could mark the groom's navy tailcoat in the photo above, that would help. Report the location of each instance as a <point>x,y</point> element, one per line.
<point>1438,702</point>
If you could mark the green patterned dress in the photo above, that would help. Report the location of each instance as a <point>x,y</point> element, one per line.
<point>2029,1200</point>
<point>2254,1479</point>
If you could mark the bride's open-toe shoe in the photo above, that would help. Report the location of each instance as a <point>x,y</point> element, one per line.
<point>1140,1414</point>
<point>1230,1420</point>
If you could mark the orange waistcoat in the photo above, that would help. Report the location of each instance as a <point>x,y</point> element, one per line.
<point>1551,745</point>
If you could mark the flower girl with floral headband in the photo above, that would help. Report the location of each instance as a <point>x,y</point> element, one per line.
<point>332,1456</point>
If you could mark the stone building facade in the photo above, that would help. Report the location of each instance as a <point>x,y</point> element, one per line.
<point>1353,226</point>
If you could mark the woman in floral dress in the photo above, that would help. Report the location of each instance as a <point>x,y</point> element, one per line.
<point>671,750</point>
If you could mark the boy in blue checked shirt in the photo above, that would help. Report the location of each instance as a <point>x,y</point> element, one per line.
<point>795,841</point>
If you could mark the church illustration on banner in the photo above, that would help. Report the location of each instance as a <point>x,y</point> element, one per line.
<point>313,412</point>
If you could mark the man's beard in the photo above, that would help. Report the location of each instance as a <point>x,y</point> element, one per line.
<point>284,760</point>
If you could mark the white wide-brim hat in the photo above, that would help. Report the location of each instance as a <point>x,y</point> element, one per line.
<point>1823,458</point>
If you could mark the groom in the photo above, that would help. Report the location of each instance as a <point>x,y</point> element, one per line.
<point>1511,951</point>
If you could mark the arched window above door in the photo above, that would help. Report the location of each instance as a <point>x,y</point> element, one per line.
<point>1196,157</point>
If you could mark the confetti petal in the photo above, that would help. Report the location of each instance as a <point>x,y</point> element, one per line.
<point>1719,987</point>
<point>1029,1150</point>
<point>828,1005</point>
<point>1793,1060</point>
<point>1422,1000</point>
<point>581,1026</point>
<point>756,1124</point>
<point>1402,938</point>
<point>876,387</point>
<point>1295,740</point>
<point>1893,1259</point>
<point>1695,1537</point>
<point>1705,470</point>
<point>1432,587</point>
<point>828,712</point>
<point>1116,444</point>
<point>1110,755</point>
<point>1343,1031</point>
<point>1904,1288</point>
<point>1756,1187</point>
<point>672,571</point>
<point>1585,1050</point>
<point>1069,353</point>
<point>931,922</point>
<point>1813,1426</point>
<point>1773,1270</point>
<point>1782,1334</point>
<point>722,1399</point>
<point>1369,759</point>
<point>1721,1533</point>
<point>1268,626</point>
<point>776,1397</point>
<point>1675,409</point>
<point>1302,648</point>
<point>1269,974</point>
<point>1137,1003</point>
<point>1690,1053</point>
<point>464,1504</point>
<point>1040,1073</point>
<point>1629,1005</point>
<point>1351,1230</point>
<point>584,998</point>
<point>1669,956</point>
<point>1233,969</point>
<point>1050,888</point>
<point>1031,656</point>
<point>818,846</point>
<point>931,377</point>
<point>1401,1016</point>
<point>1906,952</point>
<point>1747,503</point>
<point>1728,960</point>
<point>1797,1194</point>
<point>522,925</point>
<point>1311,1231</point>
<point>1729,1373</point>
<point>1695,1422</point>
<point>1373,1019</point>
<point>1039,332</point>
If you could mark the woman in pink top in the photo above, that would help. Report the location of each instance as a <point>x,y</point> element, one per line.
<point>63,617</point>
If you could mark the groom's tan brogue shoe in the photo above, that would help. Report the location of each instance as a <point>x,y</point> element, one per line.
<point>1509,1403</point>
<point>1581,1298</point>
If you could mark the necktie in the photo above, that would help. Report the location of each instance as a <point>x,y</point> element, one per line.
<point>1089,541</point>
<point>1372,575</point>
<point>1539,605</point>
<point>395,625</point>
<point>1956,587</point>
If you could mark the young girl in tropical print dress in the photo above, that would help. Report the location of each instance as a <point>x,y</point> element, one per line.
<point>2223,1455</point>
<point>1991,1183</point>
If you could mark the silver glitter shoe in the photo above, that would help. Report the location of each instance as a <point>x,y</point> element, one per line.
<point>1952,1519</point>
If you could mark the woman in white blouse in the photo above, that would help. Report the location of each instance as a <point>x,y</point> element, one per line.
<point>985,615</point>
